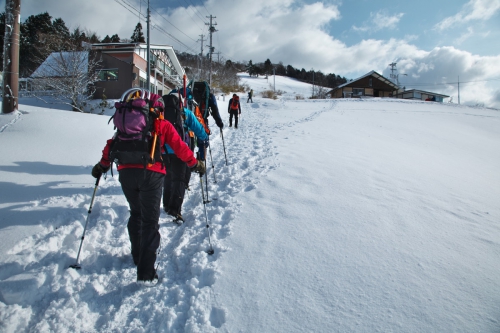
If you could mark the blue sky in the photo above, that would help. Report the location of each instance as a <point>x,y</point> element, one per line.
<point>434,42</point>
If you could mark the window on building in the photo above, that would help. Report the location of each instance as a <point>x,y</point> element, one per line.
<point>370,82</point>
<point>108,74</point>
<point>357,91</point>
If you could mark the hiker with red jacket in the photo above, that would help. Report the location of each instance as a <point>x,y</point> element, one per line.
<point>234,109</point>
<point>142,186</point>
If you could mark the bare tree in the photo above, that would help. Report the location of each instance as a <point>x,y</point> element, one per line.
<point>321,92</point>
<point>67,77</point>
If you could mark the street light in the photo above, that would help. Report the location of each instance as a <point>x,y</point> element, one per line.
<point>397,78</point>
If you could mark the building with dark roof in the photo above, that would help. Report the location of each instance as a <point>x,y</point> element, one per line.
<point>371,84</point>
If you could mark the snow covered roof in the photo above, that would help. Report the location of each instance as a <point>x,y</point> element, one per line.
<point>374,74</point>
<point>58,64</point>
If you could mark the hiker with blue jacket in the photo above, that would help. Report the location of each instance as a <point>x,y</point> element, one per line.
<point>178,172</point>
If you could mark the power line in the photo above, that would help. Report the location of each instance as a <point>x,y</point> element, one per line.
<point>157,25</point>
<point>197,13</point>
<point>173,25</point>
<point>449,83</point>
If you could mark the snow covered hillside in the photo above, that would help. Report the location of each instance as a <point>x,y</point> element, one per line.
<point>372,215</point>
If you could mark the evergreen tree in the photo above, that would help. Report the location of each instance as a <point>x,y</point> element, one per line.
<point>32,43</point>
<point>106,39</point>
<point>251,69</point>
<point>280,69</point>
<point>138,36</point>
<point>268,67</point>
<point>115,38</point>
<point>112,39</point>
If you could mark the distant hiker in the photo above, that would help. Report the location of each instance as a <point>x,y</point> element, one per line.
<point>178,173</point>
<point>136,148</point>
<point>234,109</point>
<point>250,95</point>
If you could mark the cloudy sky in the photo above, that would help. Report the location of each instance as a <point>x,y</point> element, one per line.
<point>435,43</point>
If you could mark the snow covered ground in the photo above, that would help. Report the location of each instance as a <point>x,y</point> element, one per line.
<point>371,215</point>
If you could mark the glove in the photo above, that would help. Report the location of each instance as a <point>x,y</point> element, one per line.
<point>199,167</point>
<point>98,170</point>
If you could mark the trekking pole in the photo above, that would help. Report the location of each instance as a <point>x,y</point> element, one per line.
<point>212,160</point>
<point>210,251</point>
<point>223,144</point>
<point>77,265</point>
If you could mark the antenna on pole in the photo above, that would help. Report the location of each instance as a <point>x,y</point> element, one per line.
<point>393,69</point>
<point>211,30</point>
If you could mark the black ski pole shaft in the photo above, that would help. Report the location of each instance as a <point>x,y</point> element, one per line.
<point>212,161</point>
<point>223,144</point>
<point>77,265</point>
<point>210,251</point>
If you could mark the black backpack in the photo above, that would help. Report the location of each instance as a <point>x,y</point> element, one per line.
<point>134,124</point>
<point>201,94</point>
<point>175,115</point>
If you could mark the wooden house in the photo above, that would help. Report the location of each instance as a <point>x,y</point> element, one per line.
<point>371,84</point>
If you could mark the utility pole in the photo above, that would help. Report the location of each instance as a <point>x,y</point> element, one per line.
<point>218,56</point>
<point>211,30</point>
<point>313,83</point>
<point>393,69</point>
<point>201,57</point>
<point>11,56</point>
<point>148,56</point>
<point>274,73</point>
<point>395,76</point>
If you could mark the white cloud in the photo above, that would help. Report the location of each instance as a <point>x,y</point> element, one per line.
<point>465,36</point>
<point>481,10</point>
<point>380,20</point>
<point>285,30</point>
<point>439,71</point>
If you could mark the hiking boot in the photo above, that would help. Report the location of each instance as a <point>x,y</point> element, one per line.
<point>230,125</point>
<point>235,126</point>
<point>178,219</point>
<point>149,283</point>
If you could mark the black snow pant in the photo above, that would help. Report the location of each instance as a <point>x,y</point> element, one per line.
<point>142,188</point>
<point>235,114</point>
<point>175,184</point>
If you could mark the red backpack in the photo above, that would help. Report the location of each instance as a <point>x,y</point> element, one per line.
<point>235,103</point>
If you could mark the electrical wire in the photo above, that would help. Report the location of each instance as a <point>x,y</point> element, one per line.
<point>449,83</point>
<point>133,10</point>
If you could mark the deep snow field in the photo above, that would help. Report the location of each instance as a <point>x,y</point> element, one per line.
<point>351,215</point>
